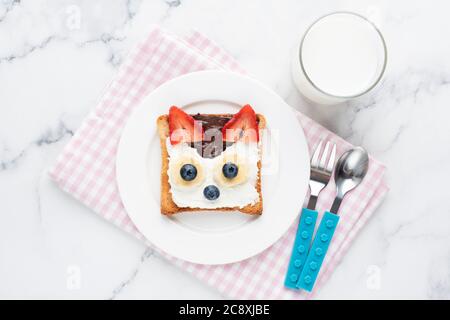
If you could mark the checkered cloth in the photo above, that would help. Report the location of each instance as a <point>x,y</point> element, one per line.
<point>86,167</point>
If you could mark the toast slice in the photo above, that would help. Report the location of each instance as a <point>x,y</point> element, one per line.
<point>168,206</point>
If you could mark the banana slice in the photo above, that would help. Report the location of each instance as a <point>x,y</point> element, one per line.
<point>175,167</point>
<point>242,174</point>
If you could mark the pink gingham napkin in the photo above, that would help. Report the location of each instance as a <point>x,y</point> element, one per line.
<point>86,167</point>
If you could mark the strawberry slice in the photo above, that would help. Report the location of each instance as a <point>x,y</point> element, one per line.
<point>243,126</point>
<point>182,127</point>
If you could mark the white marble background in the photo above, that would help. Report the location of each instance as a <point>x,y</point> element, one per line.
<point>53,69</point>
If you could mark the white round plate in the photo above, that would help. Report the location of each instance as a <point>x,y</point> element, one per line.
<point>213,237</point>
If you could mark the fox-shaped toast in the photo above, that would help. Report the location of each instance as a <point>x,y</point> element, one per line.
<point>211,162</point>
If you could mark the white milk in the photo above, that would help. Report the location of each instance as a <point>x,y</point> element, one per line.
<point>341,56</point>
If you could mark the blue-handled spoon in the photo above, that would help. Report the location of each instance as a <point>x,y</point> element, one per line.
<point>350,170</point>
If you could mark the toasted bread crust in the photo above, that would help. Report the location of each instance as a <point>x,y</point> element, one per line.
<point>168,206</point>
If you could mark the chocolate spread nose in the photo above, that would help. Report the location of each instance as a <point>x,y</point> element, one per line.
<point>212,144</point>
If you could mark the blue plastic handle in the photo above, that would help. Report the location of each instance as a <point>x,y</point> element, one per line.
<point>300,249</point>
<point>318,251</point>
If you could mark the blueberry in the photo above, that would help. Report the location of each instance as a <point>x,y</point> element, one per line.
<point>230,170</point>
<point>211,192</point>
<point>188,172</point>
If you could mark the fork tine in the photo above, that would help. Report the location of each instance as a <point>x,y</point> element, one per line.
<point>316,154</point>
<point>332,159</point>
<point>324,156</point>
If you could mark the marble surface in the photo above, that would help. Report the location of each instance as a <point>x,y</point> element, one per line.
<point>56,57</point>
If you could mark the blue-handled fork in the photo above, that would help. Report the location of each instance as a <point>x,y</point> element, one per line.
<point>321,171</point>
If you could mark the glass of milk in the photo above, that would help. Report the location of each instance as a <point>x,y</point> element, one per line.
<point>341,56</point>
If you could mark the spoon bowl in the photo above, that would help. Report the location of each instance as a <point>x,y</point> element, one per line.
<point>350,170</point>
